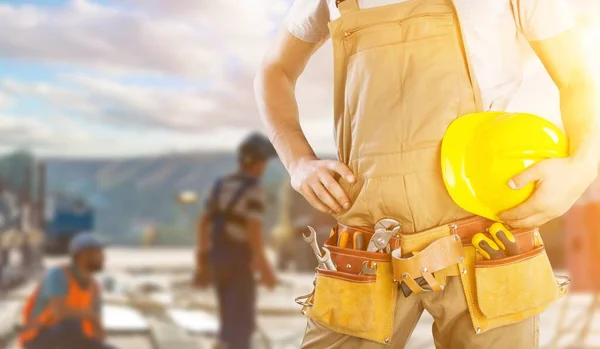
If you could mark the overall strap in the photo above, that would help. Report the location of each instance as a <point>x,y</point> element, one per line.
<point>246,184</point>
<point>216,191</point>
<point>347,6</point>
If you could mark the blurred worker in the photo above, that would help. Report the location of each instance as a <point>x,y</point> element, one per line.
<point>230,242</point>
<point>65,309</point>
<point>404,70</point>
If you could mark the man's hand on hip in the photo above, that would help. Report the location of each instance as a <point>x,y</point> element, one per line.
<point>315,180</point>
<point>559,183</point>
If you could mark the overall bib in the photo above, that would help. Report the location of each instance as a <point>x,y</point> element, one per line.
<point>401,76</point>
<point>231,264</point>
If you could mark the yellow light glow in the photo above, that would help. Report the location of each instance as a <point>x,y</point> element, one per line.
<point>187,197</point>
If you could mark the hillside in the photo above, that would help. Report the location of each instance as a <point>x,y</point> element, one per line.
<point>129,193</point>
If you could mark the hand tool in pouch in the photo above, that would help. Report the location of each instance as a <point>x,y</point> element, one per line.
<point>505,239</point>
<point>366,270</point>
<point>385,229</point>
<point>343,239</point>
<point>311,239</point>
<point>420,280</point>
<point>487,247</point>
<point>326,259</point>
<point>359,241</point>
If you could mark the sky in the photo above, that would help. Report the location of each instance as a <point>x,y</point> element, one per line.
<point>136,77</point>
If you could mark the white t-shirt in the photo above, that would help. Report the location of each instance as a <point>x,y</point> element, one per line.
<point>491,29</point>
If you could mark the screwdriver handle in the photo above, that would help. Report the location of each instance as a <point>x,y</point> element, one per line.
<point>343,239</point>
<point>359,241</point>
<point>505,239</point>
<point>487,247</point>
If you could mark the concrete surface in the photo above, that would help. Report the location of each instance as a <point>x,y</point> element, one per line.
<point>160,266</point>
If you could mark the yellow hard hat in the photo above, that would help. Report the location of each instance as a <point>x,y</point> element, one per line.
<point>481,152</point>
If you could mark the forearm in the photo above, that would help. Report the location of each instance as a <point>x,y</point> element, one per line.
<point>275,95</point>
<point>581,116</point>
<point>255,241</point>
<point>67,313</point>
<point>202,236</point>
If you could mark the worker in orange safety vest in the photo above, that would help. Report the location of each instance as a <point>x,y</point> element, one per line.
<point>64,310</point>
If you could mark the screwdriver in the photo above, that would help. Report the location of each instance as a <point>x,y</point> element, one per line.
<point>487,247</point>
<point>359,241</point>
<point>505,239</point>
<point>343,239</point>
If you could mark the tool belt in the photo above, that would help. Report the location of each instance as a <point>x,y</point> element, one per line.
<point>498,292</point>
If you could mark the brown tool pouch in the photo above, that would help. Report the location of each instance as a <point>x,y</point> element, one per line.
<point>505,291</point>
<point>418,271</point>
<point>498,292</point>
<point>357,305</point>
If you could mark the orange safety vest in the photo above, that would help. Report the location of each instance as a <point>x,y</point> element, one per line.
<point>77,298</point>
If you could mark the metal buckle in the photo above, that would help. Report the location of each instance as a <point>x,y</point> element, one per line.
<point>303,300</point>
<point>565,280</point>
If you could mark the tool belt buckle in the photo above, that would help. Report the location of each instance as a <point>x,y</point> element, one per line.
<point>562,281</point>
<point>306,300</point>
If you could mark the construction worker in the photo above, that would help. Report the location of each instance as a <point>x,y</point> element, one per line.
<point>403,71</point>
<point>64,311</point>
<point>230,242</point>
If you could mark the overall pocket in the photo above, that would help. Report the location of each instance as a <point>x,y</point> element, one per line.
<point>505,291</point>
<point>356,305</point>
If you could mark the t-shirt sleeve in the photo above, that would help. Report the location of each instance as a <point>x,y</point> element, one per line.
<point>255,203</point>
<point>308,19</point>
<point>543,19</point>
<point>55,284</point>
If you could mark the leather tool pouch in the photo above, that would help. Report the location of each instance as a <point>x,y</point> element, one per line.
<point>505,291</point>
<point>357,305</point>
<point>417,271</point>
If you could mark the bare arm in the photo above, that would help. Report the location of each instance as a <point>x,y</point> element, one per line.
<point>62,312</point>
<point>255,233</point>
<point>560,182</point>
<point>202,235</point>
<point>565,61</point>
<point>275,86</point>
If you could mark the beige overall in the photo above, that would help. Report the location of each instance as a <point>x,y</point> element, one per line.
<point>401,77</point>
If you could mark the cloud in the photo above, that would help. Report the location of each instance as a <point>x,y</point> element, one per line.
<point>112,39</point>
<point>23,132</point>
<point>212,48</point>
<point>230,104</point>
<point>238,28</point>
<point>120,104</point>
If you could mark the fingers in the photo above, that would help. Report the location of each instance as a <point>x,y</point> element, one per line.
<point>313,200</point>
<point>522,179</point>
<point>333,187</point>
<point>325,196</point>
<point>526,209</point>
<point>531,213</point>
<point>529,222</point>
<point>341,169</point>
<point>321,189</point>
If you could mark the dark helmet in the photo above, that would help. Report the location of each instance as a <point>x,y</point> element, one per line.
<point>256,147</point>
